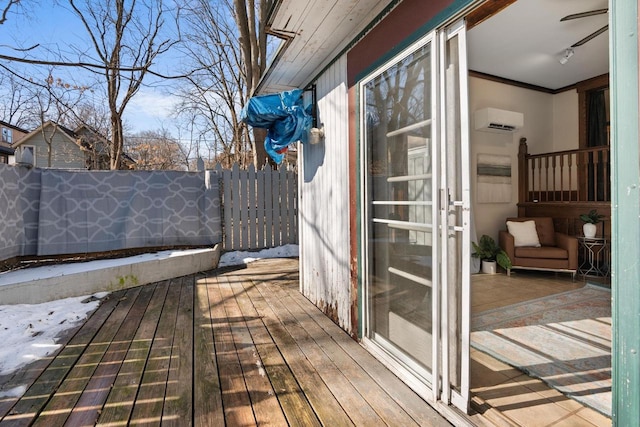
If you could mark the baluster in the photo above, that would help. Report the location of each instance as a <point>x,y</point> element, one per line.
<point>562,177</point>
<point>539,162</point>
<point>530,179</point>
<point>553,169</point>
<point>546,178</point>
<point>570,164</point>
<point>580,172</point>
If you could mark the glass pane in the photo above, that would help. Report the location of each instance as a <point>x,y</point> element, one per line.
<point>398,116</point>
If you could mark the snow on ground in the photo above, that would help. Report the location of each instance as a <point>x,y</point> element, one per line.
<point>28,332</point>
<point>239,258</point>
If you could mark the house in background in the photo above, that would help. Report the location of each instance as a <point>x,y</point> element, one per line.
<point>388,197</point>
<point>56,146</point>
<point>5,152</point>
<point>10,135</point>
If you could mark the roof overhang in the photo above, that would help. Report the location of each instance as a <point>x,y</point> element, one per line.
<point>313,34</point>
<point>8,151</point>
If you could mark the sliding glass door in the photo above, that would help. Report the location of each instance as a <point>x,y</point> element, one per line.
<point>417,209</point>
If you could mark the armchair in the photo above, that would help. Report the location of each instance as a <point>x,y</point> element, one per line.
<point>557,251</point>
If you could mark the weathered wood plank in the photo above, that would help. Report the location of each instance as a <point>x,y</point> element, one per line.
<point>117,409</point>
<point>89,406</point>
<point>235,207</point>
<point>284,360</point>
<point>284,205</point>
<point>266,408</point>
<point>400,393</point>
<point>40,391</point>
<point>268,206</point>
<point>359,411</point>
<point>275,194</point>
<point>292,193</point>
<point>178,404</point>
<point>25,377</point>
<point>260,212</point>
<point>207,395</point>
<point>375,396</point>
<point>149,403</point>
<point>227,207</point>
<point>253,232</point>
<point>235,397</point>
<point>67,395</point>
<point>246,338</point>
<point>243,177</point>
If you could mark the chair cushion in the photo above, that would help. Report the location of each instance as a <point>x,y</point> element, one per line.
<point>544,227</point>
<point>547,252</point>
<point>546,231</point>
<point>524,233</point>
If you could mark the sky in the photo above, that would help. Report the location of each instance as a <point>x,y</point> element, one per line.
<point>29,331</point>
<point>54,27</point>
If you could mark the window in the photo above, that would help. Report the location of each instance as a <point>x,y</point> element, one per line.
<point>28,154</point>
<point>7,136</point>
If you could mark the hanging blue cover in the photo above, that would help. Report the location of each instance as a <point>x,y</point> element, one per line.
<point>284,117</point>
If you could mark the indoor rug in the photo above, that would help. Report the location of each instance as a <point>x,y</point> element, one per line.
<point>563,339</point>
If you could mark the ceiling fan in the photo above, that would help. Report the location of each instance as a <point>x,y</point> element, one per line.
<point>584,15</point>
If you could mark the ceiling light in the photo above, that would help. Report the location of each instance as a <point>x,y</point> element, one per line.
<point>568,53</point>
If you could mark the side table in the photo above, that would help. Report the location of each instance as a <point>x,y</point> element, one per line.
<point>595,255</point>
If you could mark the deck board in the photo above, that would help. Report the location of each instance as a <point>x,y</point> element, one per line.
<point>178,401</point>
<point>236,346</point>
<point>147,409</point>
<point>51,376</point>
<point>207,400</point>
<point>118,407</point>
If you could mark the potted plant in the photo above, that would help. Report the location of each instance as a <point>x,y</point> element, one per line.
<point>590,220</point>
<point>490,254</point>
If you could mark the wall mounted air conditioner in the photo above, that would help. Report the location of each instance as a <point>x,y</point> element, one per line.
<point>500,121</point>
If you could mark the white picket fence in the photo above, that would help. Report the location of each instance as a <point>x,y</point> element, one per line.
<point>260,207</point>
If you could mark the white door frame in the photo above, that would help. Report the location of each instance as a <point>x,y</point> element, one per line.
<point>439,391</point>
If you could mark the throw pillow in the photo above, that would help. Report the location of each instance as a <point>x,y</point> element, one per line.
<point>524,233</point>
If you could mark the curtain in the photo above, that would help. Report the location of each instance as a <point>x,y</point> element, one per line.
<point>597,136</point>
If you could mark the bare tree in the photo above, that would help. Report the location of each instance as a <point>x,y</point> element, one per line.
<point>17,100</point>
<point>227,43</point>
<point>156,150</point>
<point>6,7</point>
<point>251,22</point>
<point>126,38</point>
<point>55,102</point>
<point>216,91</point>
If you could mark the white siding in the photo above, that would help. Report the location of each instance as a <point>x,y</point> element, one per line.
<point>324,202</point>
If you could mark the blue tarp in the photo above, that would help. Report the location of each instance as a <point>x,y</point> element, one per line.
<point>285,118</point>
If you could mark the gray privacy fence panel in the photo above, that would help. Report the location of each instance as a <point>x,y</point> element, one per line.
<point>97,211</point>
<point>19,202</point>
<point>260,207</point>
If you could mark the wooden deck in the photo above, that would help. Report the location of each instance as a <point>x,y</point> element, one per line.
<point>235,348</point>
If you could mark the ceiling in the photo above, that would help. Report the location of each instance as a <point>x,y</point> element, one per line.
<point>525,41</point>
<point>314,32</point>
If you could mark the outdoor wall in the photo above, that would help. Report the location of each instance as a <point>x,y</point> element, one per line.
<point>19,203</point>
<point>65,155</point>
<point>550,124</point>
<point>324,203</point>
<point>53,212</point>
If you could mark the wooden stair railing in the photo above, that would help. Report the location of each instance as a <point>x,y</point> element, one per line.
<point>565,184</point>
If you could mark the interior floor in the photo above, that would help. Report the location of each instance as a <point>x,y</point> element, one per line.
<point>505,393</point>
